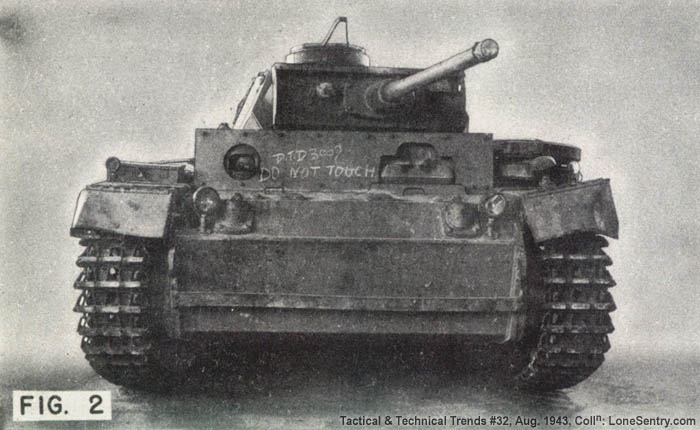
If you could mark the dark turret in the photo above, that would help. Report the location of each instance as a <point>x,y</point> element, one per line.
<point>331,86</point>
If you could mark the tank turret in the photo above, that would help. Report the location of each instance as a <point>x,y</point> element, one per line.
<point>332,86</point>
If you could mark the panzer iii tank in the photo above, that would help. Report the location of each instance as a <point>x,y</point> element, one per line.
<point>349,200</point>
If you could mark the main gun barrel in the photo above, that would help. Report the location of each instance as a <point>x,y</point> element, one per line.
<point>481,52</point>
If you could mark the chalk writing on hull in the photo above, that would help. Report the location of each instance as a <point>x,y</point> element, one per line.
<point>314,163</point>
<point>308,155</point>
<point>326,171</point>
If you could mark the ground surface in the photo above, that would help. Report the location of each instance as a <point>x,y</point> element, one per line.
<point>312,389</point>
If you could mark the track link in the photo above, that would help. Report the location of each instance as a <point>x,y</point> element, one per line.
<point>116,326</point>
<point>575,303</point>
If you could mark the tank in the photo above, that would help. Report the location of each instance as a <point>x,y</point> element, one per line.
<point>347,200</point>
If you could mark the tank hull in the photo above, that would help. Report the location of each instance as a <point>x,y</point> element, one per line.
<point>394,235</point>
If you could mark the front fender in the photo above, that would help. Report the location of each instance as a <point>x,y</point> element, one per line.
<point>584,207</point>
<point>140,210</point>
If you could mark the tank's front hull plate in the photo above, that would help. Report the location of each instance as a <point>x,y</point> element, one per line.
<point>346,285</point>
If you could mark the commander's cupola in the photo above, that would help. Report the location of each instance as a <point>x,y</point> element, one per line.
<point>337,54</point>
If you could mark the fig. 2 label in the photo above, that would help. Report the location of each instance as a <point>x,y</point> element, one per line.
<point>61,405</point>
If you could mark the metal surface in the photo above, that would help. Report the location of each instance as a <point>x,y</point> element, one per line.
<point>335,285</point>
<point>417,163</point>
<point>338,54</point>
<point>346,267</point>
<point>337,21</point>
<point>483,327</point>
<point>332,160</point>
<point>481,52</point>
<point>362,94</point>
<point>336,218</point>
<point>325,97</point>
<point>521,149</point>
<point>139,211</point>
<point>347,303</point>
<point>255,111</point>
<point>585,207</point>
<point>333,53</point>
<point>156,173</point>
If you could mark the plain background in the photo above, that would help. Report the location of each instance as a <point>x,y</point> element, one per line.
<point>83,81</point>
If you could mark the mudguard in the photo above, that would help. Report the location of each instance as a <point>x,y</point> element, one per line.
<point>584,207</point>
<point>139,210</point>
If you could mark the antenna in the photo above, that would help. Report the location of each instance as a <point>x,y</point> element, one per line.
<point>332,30</point>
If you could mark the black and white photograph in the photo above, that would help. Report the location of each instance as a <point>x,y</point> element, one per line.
<point>401,214</point>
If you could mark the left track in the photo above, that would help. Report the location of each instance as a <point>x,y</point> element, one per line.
<point>117,305</point>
